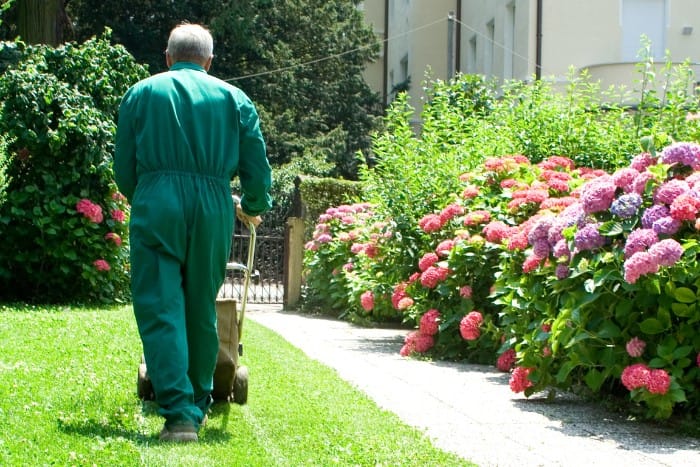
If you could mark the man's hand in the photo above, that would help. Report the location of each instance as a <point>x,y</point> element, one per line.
<point>245,218</point>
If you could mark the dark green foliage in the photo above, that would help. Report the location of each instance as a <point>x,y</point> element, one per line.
<point>319,194</point>
<point>58,109</point>
<point>300,61</point>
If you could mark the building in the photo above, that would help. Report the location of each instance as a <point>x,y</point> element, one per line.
<point>525,39</point>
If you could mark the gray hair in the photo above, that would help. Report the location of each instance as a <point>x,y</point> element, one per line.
<point>190,43</point>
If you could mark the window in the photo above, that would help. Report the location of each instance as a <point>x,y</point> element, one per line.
<point>646,17</point>
<point>490,48</point>
<point>509,41</point>
<point>471,55</point>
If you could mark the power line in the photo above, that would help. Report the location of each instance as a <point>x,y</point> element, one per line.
<point>331,57</point>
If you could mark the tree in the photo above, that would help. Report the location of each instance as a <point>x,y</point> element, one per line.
<point>301,61</point>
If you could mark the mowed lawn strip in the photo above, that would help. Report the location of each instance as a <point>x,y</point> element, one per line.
<point>68,397</point>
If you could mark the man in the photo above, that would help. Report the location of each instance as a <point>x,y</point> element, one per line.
<point>182,136</point>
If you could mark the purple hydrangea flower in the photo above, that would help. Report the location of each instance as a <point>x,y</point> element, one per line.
<point>682,153</point>
<point>562,271</point>
<point>666,252</point>
<point>541,248</point>
<point>561,249</point>
<point>639,240</point>
<point>626,205</point>
<point>666,225</point>
<point>540,229</point>
<point>653,214</point>
<point>588,238</point>
<point>671,190</point>
<point>598,194</point>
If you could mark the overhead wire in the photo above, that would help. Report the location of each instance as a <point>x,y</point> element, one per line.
<point>337,55</point>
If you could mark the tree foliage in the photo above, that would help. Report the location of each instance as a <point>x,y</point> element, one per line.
<point>301,61</point>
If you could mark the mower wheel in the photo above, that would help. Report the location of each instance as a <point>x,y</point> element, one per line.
<point>240,385</point>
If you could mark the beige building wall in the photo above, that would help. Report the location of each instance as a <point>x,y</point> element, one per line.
<point>373,11</point>
<point>594,34</point>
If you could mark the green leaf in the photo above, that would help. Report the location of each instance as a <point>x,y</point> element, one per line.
<point>594,379</point>
<point>651,326</point>
<point>610,228</point>
<point>684,295</point>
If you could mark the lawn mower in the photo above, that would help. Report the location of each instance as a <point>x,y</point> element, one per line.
<point>230,378</point>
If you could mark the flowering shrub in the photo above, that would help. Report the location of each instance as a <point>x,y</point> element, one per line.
<point>343,264</point>
<point>63,223</point>
<point>616,287</point>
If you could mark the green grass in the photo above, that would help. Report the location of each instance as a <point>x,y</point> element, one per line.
<point>68,397</point>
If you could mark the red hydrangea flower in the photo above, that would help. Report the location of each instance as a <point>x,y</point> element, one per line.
<point>444,248</point>
<point>685,207</point>
<point>635,376</point>
<point>519,381</point>
<point>496,231</point>
<point>90,210</point>
<point>433,275</point>
<point>469,326</point>
<point>431,223</point>
<point>114,237</point>
<point>659,381</point>
<point>427,260</point>
<point>118,215</point>
<point>416,342</point>
<point>477,217</point>
<point>506,360</point>
<point>429,322</point>
<point>450,212</point>
<point>466,292</point>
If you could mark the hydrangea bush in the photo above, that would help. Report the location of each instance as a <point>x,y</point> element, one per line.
<point>606,295</point>
<point>63,222</point>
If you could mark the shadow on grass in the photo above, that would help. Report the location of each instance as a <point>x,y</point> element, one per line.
<point>92,428</point>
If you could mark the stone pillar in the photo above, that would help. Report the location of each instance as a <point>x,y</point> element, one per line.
<point>293,262</point>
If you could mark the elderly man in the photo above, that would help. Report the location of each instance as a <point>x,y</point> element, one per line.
<point>182,136</point>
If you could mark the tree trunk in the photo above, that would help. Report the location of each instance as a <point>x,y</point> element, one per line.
<point>41,21</point>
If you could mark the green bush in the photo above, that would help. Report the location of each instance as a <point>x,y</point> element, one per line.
<point>63,222</point>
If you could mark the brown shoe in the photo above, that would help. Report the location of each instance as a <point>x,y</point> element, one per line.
<point>179,433</point>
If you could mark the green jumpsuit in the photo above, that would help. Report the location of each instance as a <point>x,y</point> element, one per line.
<point>182,136</point>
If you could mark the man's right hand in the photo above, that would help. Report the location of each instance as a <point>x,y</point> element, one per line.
<point>245,218</point>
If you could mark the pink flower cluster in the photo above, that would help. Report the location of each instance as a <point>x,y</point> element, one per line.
<point>469,326</point>
<point>399,298</point>
<point>430,322</point>
<point>90,210</point>
<point>367,300</point>
<point>519,380</point>
<point>111,236</point>
<point>416,341</point>
<point>664,253</point>
<point>433,275</point>
<point>635,347</point>
<point>639,375</point>
<point>506,361</point>
<point>101,265</point>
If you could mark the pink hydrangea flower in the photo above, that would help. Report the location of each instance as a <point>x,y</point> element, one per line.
<point>639,264</point>
<point>685,207</point>
<point>465,291</point>
<point>429,322</point>
<point>90,210</point>
<point>469,326</point>
<point>598,194</point>
<point>427,260</point>
<point>639,240</point>
<point>417,342</point>
<point>506,360</point>
<point>101,265</point>
<point>659,381</point>
<point>116,196</point>
<point>496,231</point>
<point>444,248</point>
<point>470,192</point>
<point>450,212</point>
<point>635,347</point>
<point>640,162</point>
<point>671,190</point>
<point>624,177</point>
<point>118,215</point>
<point>519,381</point>
<point>114,237</point>
<point>635,376</point>
<point>311,246</point>
<point>531,263</point>
<point>433,275</point>
<point>667,252</point>
<point>367,300</point>
<point>431,223</point>
<point>324,238</point>
<point>398,294</point>
<point>404,303</point>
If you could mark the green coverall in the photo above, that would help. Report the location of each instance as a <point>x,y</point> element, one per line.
<point>182,136</point>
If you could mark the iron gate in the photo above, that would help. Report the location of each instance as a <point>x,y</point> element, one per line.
<point>267,279</point>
